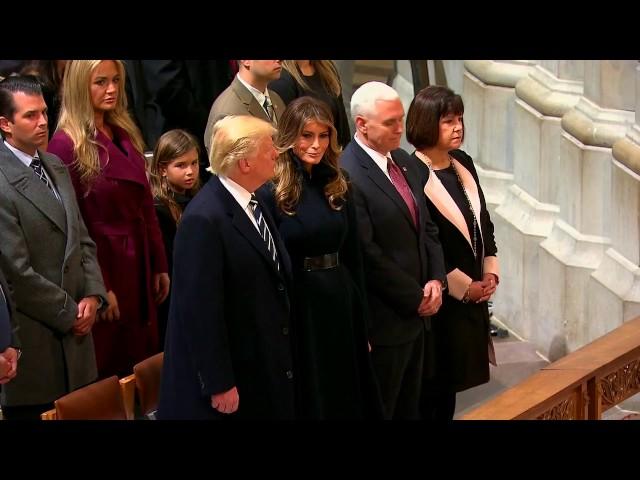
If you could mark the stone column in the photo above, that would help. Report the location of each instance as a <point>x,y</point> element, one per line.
<point>614,288</point>
<point>542,98</point>
<point>521,223</point>
<point>488,92</point>
<point>600,118</point>
<point>403,84</point>
<point>554,304</point>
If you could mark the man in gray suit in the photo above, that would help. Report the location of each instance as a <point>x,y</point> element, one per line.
<point>248,95</point>
<point>47,256</point>
<point>9,346</point>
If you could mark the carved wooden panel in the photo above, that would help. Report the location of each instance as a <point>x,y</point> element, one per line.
<point>619,385</point>
<point>565,410</point>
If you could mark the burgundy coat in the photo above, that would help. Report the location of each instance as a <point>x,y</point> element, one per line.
<point>119,214</point>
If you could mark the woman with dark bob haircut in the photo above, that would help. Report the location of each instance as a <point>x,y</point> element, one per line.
<point>313,206</point>
<point>460,341</point>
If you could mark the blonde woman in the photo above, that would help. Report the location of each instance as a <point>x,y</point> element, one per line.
<point>175,178</point>
<point>312,205</point>
<point>318,79</point>
<point>102,146</point>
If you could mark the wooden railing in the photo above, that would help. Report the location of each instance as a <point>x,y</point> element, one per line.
<point>580,386</point>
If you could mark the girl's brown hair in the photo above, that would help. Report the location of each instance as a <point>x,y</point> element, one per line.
<point>171,145</point>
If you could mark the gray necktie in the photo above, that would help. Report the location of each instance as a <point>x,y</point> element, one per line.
<point>268,107</point>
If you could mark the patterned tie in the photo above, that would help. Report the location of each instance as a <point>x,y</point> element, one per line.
<point>268,107</point>
<point>403,189</point>
<point>36,164</point>
<point>264,230</point>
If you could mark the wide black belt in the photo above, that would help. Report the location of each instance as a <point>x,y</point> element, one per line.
<point>322,262</point>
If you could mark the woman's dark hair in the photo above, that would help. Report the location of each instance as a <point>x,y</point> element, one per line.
<point>423,119</point>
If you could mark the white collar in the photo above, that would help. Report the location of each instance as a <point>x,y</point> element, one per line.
<point>23,157</point>
<point>259,96</point>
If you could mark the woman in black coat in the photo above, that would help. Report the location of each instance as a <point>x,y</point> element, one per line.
<point>313,208</point>
<point>460,340</point>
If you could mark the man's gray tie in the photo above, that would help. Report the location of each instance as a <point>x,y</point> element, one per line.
<point>268,107</point>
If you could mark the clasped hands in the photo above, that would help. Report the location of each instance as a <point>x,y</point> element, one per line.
<point>8,365</point>
<point>432,298</point>
<point>481,291</point>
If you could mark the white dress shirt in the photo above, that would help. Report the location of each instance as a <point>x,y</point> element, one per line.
<point>378,158</point>
<point>242,196</point>
<point>259,96</point>
<point>27,159</point>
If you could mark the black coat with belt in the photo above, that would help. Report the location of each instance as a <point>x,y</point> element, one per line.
<point>229,318</point>
<point>399,258</point>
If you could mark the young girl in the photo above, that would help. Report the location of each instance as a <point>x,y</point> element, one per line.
<point>174,179</point>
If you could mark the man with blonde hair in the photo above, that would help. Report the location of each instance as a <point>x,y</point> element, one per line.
<point>403,258</point>
<point>228,352</point>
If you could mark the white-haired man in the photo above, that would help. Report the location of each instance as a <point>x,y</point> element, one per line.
<point>403,258</point>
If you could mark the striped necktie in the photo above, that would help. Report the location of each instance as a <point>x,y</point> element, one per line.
<point>36,165</point>
<point>264,230</point>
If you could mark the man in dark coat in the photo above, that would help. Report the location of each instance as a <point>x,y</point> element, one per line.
<point>228,352</point>
<point>403,258</point>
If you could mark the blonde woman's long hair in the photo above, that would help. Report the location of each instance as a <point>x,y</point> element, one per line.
<point>326,71</point>
<point>171,145</point>
<point>288,179</point>
<point>77,118</point>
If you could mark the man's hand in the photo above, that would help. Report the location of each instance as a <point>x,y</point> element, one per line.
<point>87,308</point>
<point>226,402</point>
<point>432,299</point>
<point>161,287</point>
<point>8,365</point>
<point>112,312</point>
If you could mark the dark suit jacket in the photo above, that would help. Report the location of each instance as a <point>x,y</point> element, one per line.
<point>50,264</point>
<point>229,315</point>
<point>398,258</point>
<point>238,100</point>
